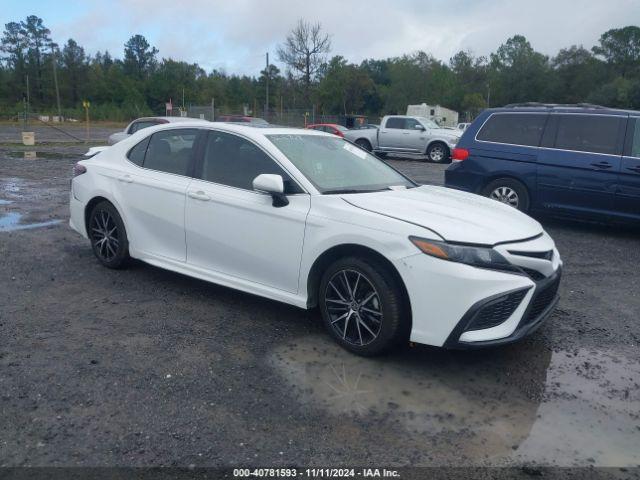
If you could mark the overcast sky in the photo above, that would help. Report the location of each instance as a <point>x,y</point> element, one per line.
<point>233,35</point>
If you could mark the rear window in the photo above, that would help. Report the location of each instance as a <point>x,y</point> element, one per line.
<point>514,128</point>
<point>588,133</point>
<point>395,122</point>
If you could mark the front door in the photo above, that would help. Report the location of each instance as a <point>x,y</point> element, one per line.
<point>234,230</point>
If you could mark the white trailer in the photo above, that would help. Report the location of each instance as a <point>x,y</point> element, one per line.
<point>444,116</point>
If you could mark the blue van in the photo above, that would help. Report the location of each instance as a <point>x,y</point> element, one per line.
<point>579,160</point>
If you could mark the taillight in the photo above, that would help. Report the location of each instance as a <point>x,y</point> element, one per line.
<point>339,133</point>
<point>79,169</point>
<point>459,154</point>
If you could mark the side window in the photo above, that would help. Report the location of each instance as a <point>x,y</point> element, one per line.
<point>588,133</point>
<point>514,128</point>
<point>170,150</point>
<point>140,125</point>
<point>136,154</point>
<point>410,124</point>
<point>395,122</point>
<point>233,161</point>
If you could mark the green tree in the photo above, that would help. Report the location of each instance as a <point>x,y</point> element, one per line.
<point>39,43</point>
<point>621,47</point>
<point>74,71</point>
<point>139,57</point>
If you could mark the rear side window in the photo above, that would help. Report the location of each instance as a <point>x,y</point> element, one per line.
<point>514,128</point>
<point>395,122</point>
<point>136,154</point>
<point>588,133</point>
<point>170,150</point>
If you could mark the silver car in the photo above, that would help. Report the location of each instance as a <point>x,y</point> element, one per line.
<point>145,122</point>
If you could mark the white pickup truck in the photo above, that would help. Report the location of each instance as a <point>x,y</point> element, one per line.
<point>407,134</point>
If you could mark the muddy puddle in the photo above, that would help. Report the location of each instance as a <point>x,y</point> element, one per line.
<point>579,409</point>
<point>11,218</point>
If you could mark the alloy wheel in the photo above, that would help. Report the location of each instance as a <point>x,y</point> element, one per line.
<point>105,235</point>
<point>354,307</point>
<point>506,195</point>
<point>436,154</point>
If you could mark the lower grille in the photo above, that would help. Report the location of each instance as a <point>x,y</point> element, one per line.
<point>496,311</point>
<point>541,300</point>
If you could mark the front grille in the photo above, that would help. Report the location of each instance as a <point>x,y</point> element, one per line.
<point>496,311</point>
<point>541,300</point>
<point>548,255</point>
<point>535,275</point>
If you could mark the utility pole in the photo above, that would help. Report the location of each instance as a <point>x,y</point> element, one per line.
<point>55,81</point>
<point>28,101</point>
<point>266,100</point>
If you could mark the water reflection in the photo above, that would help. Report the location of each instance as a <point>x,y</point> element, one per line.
<point>467,409</point>
<point>11,221</point>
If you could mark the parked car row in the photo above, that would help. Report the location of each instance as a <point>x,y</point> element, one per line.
<point>582,161</point>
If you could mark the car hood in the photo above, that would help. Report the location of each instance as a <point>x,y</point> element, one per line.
<point>454,215</point>
<point>447,132</point>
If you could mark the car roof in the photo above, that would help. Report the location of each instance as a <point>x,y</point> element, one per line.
<point>245,129</point>
<point>585,108</point>
<point>171,119</point>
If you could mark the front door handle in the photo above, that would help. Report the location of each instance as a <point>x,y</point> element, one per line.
<point>126,178</point>
<point>634,169</point>
<point>199,195</point>
<point>602,165</point>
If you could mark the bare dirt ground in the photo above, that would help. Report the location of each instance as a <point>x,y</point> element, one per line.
<point>147,367</point>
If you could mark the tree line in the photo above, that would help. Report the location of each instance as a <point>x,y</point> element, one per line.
<point>140,82</point>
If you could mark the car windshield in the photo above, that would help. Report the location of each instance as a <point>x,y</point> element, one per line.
<point>428,123</point>
<point>334,165</point>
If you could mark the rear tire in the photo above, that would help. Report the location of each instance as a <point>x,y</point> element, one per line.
<point>108,236</point>
<point>508,191</point>
<point>438,152</point>
<point>364,144</point>
<point>362,306</point>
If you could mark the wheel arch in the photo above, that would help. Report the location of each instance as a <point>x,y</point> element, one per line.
<point>437,140</point>
<point>95,201</point>
<point>346,250</point>
<point>498,175</point>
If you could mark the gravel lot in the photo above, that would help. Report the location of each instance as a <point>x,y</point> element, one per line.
<point>147,367</point>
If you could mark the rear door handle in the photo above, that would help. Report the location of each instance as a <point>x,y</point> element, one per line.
<point>126,178</point>
<point>603,165</point>
<point>634,169</point>
<point>199,195</point>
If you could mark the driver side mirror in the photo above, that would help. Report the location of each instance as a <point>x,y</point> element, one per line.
<point>419,127</point>
<point>274,186</point>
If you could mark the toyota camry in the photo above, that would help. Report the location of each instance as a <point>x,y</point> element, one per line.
<point>310,219</point>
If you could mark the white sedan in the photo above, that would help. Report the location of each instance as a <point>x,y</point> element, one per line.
<point>309,219</point>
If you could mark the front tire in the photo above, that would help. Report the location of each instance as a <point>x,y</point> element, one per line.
<point>508,191</point>
<point>362,306</point>
<point>438,152</point>
<point>108,236</point>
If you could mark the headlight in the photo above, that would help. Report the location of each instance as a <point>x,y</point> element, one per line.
<point>482,257</point>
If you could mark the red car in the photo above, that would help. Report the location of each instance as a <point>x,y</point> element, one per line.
<point>329,128</point>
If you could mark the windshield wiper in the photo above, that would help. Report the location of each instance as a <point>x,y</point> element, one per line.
<point>352,190</point>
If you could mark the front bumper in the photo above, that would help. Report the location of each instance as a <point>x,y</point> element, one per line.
<point>459,306</point>
<point>541,305</point>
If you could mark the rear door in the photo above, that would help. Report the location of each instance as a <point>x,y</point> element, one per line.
<point>153,192</point>
<point>391,134</point>
<point>579,162</point>
<point>627,199</point>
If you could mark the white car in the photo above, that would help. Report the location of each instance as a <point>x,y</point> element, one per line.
<point>146,122</point>
<point>309,219</point>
